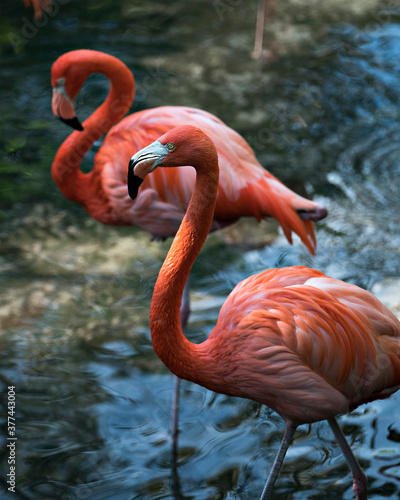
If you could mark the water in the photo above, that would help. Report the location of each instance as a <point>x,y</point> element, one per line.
<point>93,401</point>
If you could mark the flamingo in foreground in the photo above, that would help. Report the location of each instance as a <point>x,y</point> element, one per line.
<point>245,187</point>
<point>280,333</point>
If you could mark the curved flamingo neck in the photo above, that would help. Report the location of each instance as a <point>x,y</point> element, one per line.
<point>181,356</point>
<point>72,182</point>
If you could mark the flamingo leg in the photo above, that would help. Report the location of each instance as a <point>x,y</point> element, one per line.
<point>185,312</point>
<point>265,12</point>
<point>176,487</point>
<point>175,411</point>
<point>286,440</point>
<point>176,484</point>
<point>185,306</point>
<point>359,478</point>
<point>260,23</point>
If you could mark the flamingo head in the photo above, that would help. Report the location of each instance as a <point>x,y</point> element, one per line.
<point>144,162</point>
<point>181,146</point>
<point>63,107</point>
<point>68,74</point>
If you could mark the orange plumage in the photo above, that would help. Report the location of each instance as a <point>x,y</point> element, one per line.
<point>296,328</point>
<point>245,188</point>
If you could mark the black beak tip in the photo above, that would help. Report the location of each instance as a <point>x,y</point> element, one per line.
<point>134,182</point>
<point>73,122</point>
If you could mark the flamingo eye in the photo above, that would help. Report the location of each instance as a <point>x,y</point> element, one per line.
<point>170,146</point>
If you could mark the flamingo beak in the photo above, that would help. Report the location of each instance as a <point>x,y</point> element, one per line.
<point>63,107</point>
<point>143,163</point>
<point>134,181</point>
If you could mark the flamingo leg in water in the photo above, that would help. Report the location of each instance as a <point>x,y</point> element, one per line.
<point>258,44</point>
<point>359,479</point>
<point>176,487</point>
<point>175,412</point>
<point>185,312</point>
<point>286,440</point>
<point>185,306</point>
<point>265,12</point>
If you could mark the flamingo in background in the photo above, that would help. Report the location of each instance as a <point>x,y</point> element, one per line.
<point>245,187</point>
<point>280,333</point>
<point>38,6</point>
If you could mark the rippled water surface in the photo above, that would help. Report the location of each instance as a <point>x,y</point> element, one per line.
<point>93,401</point>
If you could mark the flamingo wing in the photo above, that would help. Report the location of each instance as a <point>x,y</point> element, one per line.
<point>245,187</point>
<point>304,337</point>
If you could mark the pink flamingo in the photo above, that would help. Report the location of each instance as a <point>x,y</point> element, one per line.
<point>280,333</point>
<point>38,6</point>
<point>245,187</point>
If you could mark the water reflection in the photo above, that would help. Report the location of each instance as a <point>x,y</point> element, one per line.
<point>93,400</point>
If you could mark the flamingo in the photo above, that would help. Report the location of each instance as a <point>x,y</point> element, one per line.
<point>245,188</point>
<point>38,6</point>
<point>308,346</point>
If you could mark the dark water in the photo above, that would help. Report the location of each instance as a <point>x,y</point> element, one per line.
<point>93,401</point>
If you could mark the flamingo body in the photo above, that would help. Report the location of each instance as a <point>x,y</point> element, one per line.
<point>245,188</point>
<point>308,346</point>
